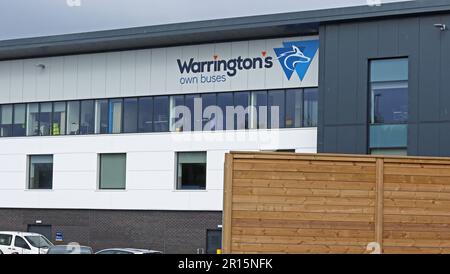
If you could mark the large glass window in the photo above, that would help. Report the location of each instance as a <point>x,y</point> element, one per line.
<point>390,103</point>
<point>241,99</point>
<point>207,101</point>
<point>145,114</point>
<point>191,170</point>
<point>294,108</point>
<point>196,122</point>
<point>115,116</point>
<point>40,172</point>
<point>388,106</point>
<point>87,117</point>
<point>101,116</point>
<point>20,114</point>
<point>161,113</point>
<point>6,119</point>
<point>310,105</point>
<point>73,117</point>
<point>59,118</point>
<point>276,101</point>
<point>176,119</point>
<point>33,119</point>
<point>223,101</point>
<point>130,115</point>
<point>112,171</point>
<point>259,102</point>
<point>45,118</point>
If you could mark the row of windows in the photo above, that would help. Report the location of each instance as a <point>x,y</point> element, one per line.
<point>296,108</point>
<point>191,171</point>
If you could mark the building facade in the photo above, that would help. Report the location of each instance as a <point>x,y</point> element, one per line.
<point>108,138</point>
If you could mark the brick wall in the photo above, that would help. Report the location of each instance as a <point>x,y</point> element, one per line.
<point>167,231</point>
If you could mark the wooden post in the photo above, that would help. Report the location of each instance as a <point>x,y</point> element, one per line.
<point>227,203</point>
<point>379,202</point>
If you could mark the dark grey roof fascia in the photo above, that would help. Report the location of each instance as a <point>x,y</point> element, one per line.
<point>230,29</point>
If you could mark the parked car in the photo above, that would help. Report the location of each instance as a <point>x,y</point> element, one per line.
<point>12,242</point>
<point>127,251</point>
<point>70,249</point>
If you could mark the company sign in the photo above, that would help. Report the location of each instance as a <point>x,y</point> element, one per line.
<point>274,63</point>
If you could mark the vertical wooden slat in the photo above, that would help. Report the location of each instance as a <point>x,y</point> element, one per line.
<point>227,204</point>
<point>379,202</point>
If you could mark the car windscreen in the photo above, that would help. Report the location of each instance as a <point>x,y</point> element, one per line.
<point>39,241</point>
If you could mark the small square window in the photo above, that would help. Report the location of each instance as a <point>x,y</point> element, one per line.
<point>112,171</point>
<point>40,172</point>
<point>191,170</point>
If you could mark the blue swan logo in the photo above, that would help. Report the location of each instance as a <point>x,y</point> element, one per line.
<point>297,57</point>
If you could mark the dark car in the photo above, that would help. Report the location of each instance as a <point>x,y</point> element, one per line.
<point>127,251</point>
<point>70,249</point>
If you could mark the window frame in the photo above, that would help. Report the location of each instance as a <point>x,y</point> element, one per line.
<point>99,169</point>
<point>29,166</point>
<point>21,238</point>
<point>176,172</point>
<point>371,102</point>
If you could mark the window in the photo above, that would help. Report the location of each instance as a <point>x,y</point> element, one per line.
<point>101,116</point>
<point>40,172</point>
<point>294,108</point>
<point>6,114</point>
<point>73,117</point>
<point>241,99</point>
<point>130,115</point>
<point>20,243</point>
<point>223,101</point>
<point>207,101</point>
<point>176,120</point>
<point>112,171</point>
<point>310,106</point>
<point>20,114</point>
<point>388,106</point>
<point>196,125</point>
<point>161,113</point>
<point>191,170</point>
<point>259,101</point>
<point>87,117</point>
<point>59,118</point>
<point>5,239</point>
<point>115,116</point>
<point>45,118</point>
<point>33,119</point>
<point>145,114</point>
<point>276,100</point>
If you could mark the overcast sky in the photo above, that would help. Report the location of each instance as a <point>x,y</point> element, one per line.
<point>30,18</point>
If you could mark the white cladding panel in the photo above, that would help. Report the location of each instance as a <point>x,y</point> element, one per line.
<point>151,161</point>
<point>145,72</point>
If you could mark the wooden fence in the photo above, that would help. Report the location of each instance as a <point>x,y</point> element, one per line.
<point>321,203</point>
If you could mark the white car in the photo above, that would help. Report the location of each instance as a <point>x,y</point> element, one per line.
<point>23,243</point>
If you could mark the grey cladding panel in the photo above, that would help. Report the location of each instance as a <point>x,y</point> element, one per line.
<point>428,51</point>
<point>428,141</point>
<point>388,38</point>
<point>331,75</point>
<point>347,74</point>
<point>429,69</point>
<point>444,96</point>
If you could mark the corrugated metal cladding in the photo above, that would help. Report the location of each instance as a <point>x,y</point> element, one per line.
<point>346,49</point>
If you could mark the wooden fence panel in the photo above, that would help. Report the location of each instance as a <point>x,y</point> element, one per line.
<point>320,203</point>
